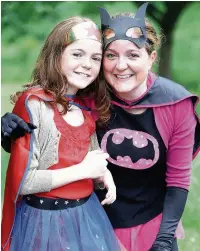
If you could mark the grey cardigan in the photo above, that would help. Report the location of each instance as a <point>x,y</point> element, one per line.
<point>46,139</point>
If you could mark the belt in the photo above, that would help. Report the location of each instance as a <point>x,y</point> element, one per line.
<point>52,204</point>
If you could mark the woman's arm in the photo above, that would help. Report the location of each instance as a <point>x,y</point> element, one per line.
<point>13,127</point>
<point>178,175</point>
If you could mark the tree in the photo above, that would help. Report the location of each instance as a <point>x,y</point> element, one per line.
<point>166,16</point>
<point>17,17</point>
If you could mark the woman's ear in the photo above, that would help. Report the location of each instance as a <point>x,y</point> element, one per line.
<point>152,58</point>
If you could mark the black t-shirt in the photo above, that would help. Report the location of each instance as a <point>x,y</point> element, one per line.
<point>138,165</point>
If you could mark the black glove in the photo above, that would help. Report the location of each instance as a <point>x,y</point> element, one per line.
<point>13,127</point>
<point>159,248</point>
<point>174,205</point>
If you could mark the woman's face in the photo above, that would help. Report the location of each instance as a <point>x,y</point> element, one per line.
<point>80,63</point>
<point>126,67</point>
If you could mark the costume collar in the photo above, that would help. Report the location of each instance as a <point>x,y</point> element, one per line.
<point>160,92</point>
<point>74,100</point>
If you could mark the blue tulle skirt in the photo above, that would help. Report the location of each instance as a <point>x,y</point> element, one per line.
<point>82,228</point>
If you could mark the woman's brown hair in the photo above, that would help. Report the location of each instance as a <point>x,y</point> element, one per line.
<point>48,75</point>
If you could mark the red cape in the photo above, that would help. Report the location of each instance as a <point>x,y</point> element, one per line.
<point>21,153</point>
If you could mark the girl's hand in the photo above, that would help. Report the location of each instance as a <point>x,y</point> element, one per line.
<point>108,181</point>
<point>94,164</point>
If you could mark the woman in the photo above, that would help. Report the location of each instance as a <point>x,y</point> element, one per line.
<point>149,137</point>
<point>49,202</point>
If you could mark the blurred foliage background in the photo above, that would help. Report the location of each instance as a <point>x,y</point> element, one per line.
<point>25,25</point>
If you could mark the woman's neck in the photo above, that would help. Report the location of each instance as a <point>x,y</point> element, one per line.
<point>135,93</point>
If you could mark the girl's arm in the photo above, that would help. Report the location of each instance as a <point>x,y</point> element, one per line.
<point>93,166</point>
<point>38,180</point>
<point>178,175</point>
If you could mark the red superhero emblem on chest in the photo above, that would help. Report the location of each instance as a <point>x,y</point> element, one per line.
<point>139,140</point>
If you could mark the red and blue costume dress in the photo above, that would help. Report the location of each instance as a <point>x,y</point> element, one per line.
<point>81,223</point>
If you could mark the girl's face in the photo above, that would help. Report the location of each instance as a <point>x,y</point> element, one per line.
<point>126,68</point>
<point>80,63</point>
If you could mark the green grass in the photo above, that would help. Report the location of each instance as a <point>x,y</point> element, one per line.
<point>6,106</point>
<point>191,216</point>
<point>186,49</point>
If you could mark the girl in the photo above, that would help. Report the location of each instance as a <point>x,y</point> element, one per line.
<point>49,202</point>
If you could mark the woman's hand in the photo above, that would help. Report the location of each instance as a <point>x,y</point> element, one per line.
<point>15,127</point>
<point>159,248</point>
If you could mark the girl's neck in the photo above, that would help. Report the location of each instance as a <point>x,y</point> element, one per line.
<point>71,91</point>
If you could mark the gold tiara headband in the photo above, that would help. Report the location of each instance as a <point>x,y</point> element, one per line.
<point>85,30</point>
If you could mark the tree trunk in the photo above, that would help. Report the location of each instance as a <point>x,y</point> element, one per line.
<point>165,56</point>
<point>168,24</point>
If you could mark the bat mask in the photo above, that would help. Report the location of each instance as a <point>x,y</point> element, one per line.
<point>124,27</point>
